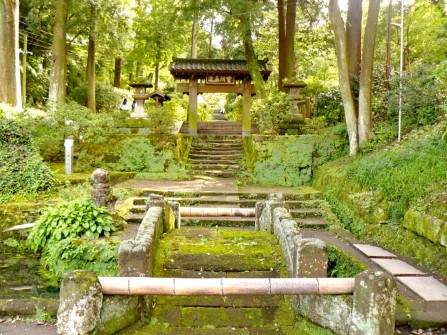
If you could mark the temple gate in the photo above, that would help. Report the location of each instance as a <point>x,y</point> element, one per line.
<point>197,76</point>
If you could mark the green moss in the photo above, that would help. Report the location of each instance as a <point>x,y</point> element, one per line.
<point>342,265</point>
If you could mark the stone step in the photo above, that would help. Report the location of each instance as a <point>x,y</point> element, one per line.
<point>303,213</point>
<point>213,165</point>
<point>215,151</point>
<point>216,173</point>
<point>218,317</point>
<point>214,156</point>
<point>211,161</point>
<point>222,302</point>
<point>157,329</point>
<point>221,221</point>
<point>203,144</point>
<point>312,222</point>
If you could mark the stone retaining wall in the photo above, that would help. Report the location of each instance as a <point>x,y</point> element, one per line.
<point>81,300</point>
<point>369,311</point>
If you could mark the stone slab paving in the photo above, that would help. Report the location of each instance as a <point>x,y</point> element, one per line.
<point>396,267</point>
<point>373,251</point>
<point>428,288</point>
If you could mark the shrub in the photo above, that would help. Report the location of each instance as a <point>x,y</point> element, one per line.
<point>21,167</point>
<point>330,106</point>
<point>75,219</point>
<point>139,155</point>
<point>107,100</point>
<point>270,113</point>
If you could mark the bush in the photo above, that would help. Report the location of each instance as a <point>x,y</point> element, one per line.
<point>270,113</point>
<point>107,100</point>
<point>21,168</point>
<point>75,219</point>
<point>139,155</point>
<point>330,106</point>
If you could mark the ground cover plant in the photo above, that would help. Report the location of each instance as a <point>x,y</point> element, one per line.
<point>67,236</point>
<point>371,193</point>
<point>22,169</point>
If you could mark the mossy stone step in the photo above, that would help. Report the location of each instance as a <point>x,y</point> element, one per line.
<point>223,302</point>
<point>182,273</point>
<point>304,213</point>
<point>182,316</point>
<point>207,330</point>
<point>224,263</point>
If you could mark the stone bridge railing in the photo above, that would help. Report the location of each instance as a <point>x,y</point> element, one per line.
<point>369,310</point>
<point>83,309</point>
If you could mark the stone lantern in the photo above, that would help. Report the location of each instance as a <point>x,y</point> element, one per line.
<point>139,97</point>
<point>159,97</point>
<point>300,104</point>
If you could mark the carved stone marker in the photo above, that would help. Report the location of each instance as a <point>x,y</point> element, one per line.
<point>68,144</point>
<point>101,193</point>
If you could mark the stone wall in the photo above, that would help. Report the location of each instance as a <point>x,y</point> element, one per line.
<point>369,311</point>
<point>81,300</point>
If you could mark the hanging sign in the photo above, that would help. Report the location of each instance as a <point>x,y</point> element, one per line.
<point>220,79</point>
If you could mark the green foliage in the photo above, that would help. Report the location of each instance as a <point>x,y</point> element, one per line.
<point>270,113</point>
<point>140,155</point>
<point>402,174</point>
<point>107,100</point>
<point>21,168</point>
<point>75,219</point>
<point>342,265</point>
<point>330,144</point>
<point>285,161</point>
<point>161,120</point>
<point>329,106</point>
<point>100,257</point>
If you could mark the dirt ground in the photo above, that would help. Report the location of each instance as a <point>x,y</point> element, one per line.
<point>13,327</point>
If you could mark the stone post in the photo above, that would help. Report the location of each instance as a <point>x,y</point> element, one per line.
<point>80,304</point>
<point>264,211</point>
<point>68,144</point>
<point>374,304</point>
<point>311,258</point>
<point>101,193</point>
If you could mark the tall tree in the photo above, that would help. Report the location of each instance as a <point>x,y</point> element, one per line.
<point>388,46</point>
<point>343,73</point>
<point>91,75</point>
<point>365,82</point>
<point>195,6</point>
<point>354,41</point>
<point>58,75</point>
<point>286,40</point>
<point>10,92</point>
<point>359,128</point>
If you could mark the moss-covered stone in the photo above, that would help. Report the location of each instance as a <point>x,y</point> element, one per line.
<point>426,225</point>
<point>80,304</point>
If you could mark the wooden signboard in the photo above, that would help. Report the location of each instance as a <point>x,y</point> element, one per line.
<point>220,79</point>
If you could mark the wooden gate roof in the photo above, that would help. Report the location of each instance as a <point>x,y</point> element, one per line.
<point>184,68</point>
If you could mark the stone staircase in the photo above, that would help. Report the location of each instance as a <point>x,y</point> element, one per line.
<point>305,208</point>
<point>218,127</point>
<point>217,253</point>
<point>216,156</point>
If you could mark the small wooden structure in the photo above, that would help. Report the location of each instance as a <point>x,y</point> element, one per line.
<point>196,76</point>
<point>159,97</point>
<point>139,97</point>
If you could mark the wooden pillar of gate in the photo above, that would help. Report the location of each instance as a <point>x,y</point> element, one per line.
<point>246,104</point>
<point>192,110</point>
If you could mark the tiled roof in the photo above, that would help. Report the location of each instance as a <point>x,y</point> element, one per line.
<point>184,67</point>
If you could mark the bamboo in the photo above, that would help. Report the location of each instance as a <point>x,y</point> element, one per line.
<point>225,286</point>
<point>213,211</point>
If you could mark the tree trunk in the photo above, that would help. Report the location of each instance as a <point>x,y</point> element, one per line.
<point>365,82</point>
<point>157,70</point>
<point>281,44</point>
<point>91,77</point>
<point>57,87</point>
<point>343,73</point>
<point>195,28</point>
<point>250,55</point>
<point>388,47</point>
<point>117,77</point>
<point>10,92</point>
<point>290,40</point>
<point>354,39</point>
<point>210,50</point>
